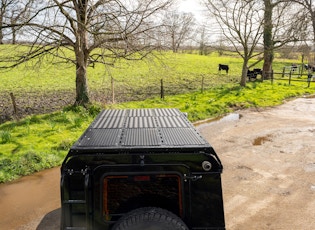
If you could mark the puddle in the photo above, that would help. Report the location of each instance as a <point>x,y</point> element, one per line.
<point>261,140</point>
<point>227,118</point>
<point>231,117</point>
<point>310,167</point>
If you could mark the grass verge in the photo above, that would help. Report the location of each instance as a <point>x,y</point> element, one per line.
<point>40,142</point>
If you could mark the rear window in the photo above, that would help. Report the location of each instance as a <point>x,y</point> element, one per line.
<point>123,193</point>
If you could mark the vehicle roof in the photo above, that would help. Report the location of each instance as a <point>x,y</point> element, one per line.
<point>140,129</point>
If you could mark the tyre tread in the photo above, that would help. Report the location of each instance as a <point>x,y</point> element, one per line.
<point>150,215</point>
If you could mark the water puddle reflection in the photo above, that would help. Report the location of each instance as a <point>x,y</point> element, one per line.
<point>227,118</point>
<point>231,117</point>
<point>310,167</point>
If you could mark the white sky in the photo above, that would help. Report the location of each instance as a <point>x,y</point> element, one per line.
<point>192,6</point>
<point>200,13</point>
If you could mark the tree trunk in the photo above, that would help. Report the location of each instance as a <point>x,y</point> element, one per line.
<point>13,30</point>
<point>81,51</point>
<point>13,36</point>
<point>268,41</point>
<point>82,92</point>
<point>201,48</point>
<point>1,32</point>
<point>244,73</point>
<point>173,43</point>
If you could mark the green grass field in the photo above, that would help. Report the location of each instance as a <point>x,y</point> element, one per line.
<point>168,66</point>
<point>42,141</point>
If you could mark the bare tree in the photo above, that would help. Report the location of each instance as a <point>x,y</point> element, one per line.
<point>283,24</point>
<point>241,23</point>
<point>206,33</point>
<point>3,10</point>
<point>179,27</point>
<point>12,12</point>
<point>309,13</point>
<point>5,5</point>
<point>309,5</point>
<point>96,31</point>
<point>18,12</point>
<point>202,40</point>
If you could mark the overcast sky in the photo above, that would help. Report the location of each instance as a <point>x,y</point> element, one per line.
<point>192,6</point>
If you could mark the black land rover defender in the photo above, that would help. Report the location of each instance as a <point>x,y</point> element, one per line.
<point>141,169</point>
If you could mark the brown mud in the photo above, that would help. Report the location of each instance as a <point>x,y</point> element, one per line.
<point>268,178</point>
<point>31,202</point>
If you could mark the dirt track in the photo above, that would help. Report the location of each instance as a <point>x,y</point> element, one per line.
<point>269,159</point>
<point>268,179</point>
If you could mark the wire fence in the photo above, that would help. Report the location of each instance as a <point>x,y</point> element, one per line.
<point>294,74</point>
<point>19,104</point>
<point>121,91</point>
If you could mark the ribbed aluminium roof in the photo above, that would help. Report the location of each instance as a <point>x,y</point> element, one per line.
<point>139,128</point>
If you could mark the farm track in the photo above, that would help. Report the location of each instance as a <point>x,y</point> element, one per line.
<point>268,180</point>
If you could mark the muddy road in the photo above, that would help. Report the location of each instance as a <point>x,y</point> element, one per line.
<point>268,178</point>
<point>269,160</point>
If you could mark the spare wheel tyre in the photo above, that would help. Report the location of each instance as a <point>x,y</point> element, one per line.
<point>150,218</point>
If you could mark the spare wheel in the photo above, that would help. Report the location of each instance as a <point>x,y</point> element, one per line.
<point>150,218</point>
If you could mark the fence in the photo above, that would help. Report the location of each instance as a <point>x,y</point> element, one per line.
<point>121,91</point>
<point>19,104</point>
<point>294,74</point>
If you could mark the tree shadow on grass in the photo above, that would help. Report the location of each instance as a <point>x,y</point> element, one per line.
<point>51,221</point>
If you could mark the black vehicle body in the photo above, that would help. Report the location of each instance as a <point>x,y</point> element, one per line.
<point>135,158</point>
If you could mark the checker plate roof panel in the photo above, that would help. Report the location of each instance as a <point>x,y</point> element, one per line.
<point>141,128</point>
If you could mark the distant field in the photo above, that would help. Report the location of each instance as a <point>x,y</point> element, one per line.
<point>47,87</point>
<point>168,66</point>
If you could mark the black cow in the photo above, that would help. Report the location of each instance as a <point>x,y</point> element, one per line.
<point>224,67</point>
<point>258,71</point>
<point>294,67</point>
<point>309,67</point>
<point>253,73</point>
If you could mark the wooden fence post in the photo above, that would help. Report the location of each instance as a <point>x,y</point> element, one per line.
<point>290,75</point>
<point>309,78</point>
<point>113,90</point>
<point>162,90</point>
<point>13,103</point>
<point>202,83</point>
